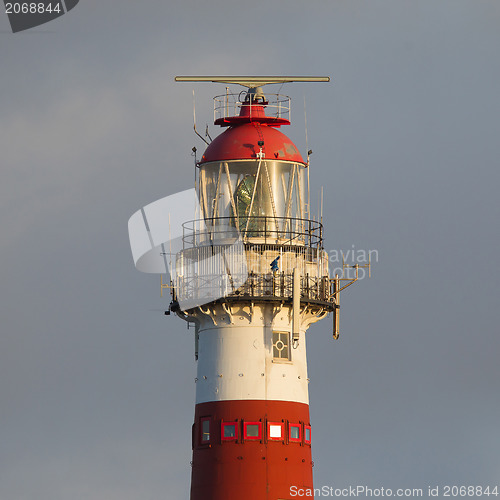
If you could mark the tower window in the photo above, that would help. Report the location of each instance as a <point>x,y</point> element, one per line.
<point>294,432</point>
<point>205,430</point>
<point>229,431</point>
<point>281,345</point>
<point>307,434</point>
<point>252,430</point>
<point>275,431</point>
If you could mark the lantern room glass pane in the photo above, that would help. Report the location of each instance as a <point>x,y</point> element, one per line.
<point>277,189</point>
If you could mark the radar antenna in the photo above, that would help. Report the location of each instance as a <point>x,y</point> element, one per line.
<point>252,81</point>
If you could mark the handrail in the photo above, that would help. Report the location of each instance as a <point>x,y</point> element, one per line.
<point>268,286</point>
<point>229,105</point>
<point>283,231</point>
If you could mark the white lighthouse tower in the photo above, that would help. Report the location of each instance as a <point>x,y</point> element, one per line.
<point>250,272</point>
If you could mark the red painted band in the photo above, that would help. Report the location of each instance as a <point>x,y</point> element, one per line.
<point>227,466</point>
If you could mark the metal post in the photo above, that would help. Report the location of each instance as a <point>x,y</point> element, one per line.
<point>296,305</point>
<point>336,312</point>
<point>196,341</point>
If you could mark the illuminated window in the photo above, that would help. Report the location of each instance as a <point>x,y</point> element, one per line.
<point>229,431</point>
<point>307,434</point>
<point>205,430</point>
<point>294,434</point>
<point>252,430</point>
<point>275,431</point>
<point>281,345</point>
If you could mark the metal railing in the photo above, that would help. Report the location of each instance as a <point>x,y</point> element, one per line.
<point>229,105</point>
<point>283,231</point>
<point>211,267</point>
<point>266,286</point>
<point>258,283</point>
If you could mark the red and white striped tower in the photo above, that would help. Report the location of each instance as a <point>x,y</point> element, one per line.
<point>252,431</point>
<point>251,274</point>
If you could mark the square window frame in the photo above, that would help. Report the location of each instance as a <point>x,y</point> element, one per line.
<point>307,441</point>
<point>290,438</point>
<point>281,425</point>
<point>230,438</point>
<point>209,440</point>
<point>281,360</point>
<point>252,438</point>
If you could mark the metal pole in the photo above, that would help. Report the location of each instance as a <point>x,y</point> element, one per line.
<point>296,305</point>
<point>336,313</point>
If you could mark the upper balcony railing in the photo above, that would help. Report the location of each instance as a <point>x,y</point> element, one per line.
<point>233,108</point>
<point>283,231</point>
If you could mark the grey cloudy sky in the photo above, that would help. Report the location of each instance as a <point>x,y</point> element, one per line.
<point>96,385</point>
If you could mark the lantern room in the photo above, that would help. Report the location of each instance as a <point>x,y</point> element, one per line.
<point>252,177</point>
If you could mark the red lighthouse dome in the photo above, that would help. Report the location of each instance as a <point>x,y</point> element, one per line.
<point>241,142</point>
<point>253,131</point>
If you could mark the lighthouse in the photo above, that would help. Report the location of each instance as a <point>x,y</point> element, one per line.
<point>249,273</point>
